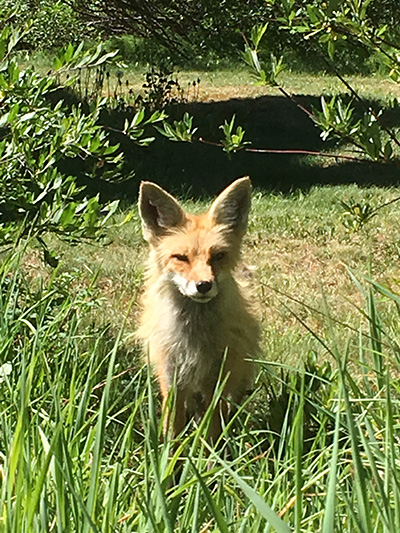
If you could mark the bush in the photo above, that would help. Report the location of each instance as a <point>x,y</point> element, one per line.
<point>53,23</point>
<point>35,137</point>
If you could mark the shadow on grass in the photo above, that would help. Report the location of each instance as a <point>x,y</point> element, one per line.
<point>270,122</point>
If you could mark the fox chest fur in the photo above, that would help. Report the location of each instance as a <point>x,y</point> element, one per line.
<point>192,344</point>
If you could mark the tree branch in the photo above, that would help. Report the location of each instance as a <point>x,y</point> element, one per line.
<point>286,152</point>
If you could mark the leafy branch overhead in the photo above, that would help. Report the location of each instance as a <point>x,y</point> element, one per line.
<point>330,24</point>
<point>184,28</point>
<point>75,58</point>
<point>39,139</point>
<point>266,72</point>
<point>363,130</point>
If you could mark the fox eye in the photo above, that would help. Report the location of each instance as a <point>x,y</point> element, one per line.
<point>218,256</point>
<point>181,257</point>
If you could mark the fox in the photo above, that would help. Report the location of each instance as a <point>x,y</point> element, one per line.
<point>197,324</point>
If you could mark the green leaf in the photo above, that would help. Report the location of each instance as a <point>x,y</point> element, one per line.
<point>328,525</point>
<point>388,150</point>
<point>69,52</point>
<point>138,118</point>
<point>333,6</point>
<point>3,48</point>
<point>219,519</point>
<point>325,108</point>
<point>257,34</point>
<point>331,48</point>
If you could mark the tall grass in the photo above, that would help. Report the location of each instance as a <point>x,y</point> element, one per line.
<point>313,449</point>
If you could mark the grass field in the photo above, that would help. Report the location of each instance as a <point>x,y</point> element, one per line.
<point>222,85</point>
<point>315,447</point>
<point>239,82</point>
<point>271,121</point>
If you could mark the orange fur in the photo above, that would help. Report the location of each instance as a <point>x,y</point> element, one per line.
<point>194,310</point>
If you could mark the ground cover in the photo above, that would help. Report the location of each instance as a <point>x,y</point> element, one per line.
<point>317,443</point>
<point>271,122</point>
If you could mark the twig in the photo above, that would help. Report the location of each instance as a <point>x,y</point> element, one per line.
<point>296,152</point>
<point>385,204</point>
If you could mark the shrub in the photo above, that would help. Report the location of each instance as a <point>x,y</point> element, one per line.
<point>53,23</point>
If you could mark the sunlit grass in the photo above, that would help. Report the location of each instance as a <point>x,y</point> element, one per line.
<point>297,248</point>
<point>235,80</point>
<point>314,449</point>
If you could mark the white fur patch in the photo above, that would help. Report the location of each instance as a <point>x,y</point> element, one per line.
<point>189,289</point>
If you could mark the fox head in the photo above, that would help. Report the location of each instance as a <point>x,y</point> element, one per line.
<point>195,252</point>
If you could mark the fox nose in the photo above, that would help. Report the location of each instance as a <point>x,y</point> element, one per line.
<point>203,286</point>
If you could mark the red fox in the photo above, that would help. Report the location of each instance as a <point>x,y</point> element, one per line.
<point>196,317</point>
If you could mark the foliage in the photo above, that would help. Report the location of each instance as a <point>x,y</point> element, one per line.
<point>37,138</point>
<point>233,139</point>
<point>326,26</point>
<point>184,28</point>
<point>204,33</point>
<point>339,120</point>
<point>356,215</point>
<point>183,131</point>
<point>53,22</point>
<point>268,73</point>
<point>201,33</point>
<point>161,89</point>
<point>136,127</point>
<point>179,130</point>
<point>338,23</point>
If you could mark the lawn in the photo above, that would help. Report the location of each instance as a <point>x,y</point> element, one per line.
<point>314,448</point>
<point>302,251</point>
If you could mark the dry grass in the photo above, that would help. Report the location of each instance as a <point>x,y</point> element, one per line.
<point>297,243</point>
<point>302,257</point>
<point>223,85</point>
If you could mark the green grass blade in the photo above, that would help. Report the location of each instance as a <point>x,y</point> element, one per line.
<point>216,513</point>
<point>328,524</point>
<point>100,436</point>
<point>260,504</point>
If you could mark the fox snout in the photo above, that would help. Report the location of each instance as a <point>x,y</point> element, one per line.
<point>201,291</point>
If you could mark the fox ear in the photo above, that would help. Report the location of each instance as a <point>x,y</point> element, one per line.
<point>232,206</point>
<point>158,210</point>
